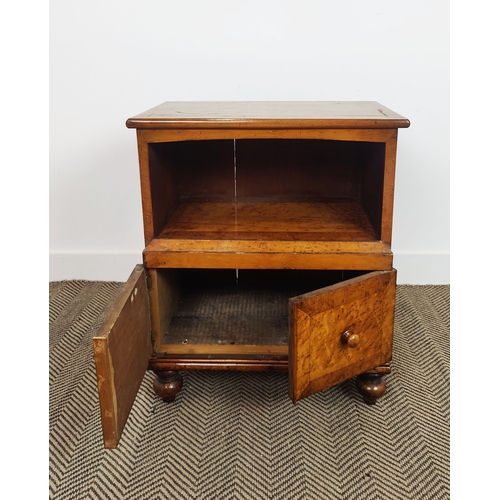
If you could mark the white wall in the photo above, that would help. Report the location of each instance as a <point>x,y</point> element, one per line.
<point>111,59</point>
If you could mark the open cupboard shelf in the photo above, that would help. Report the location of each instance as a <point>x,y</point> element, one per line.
<point>306,220</point>
<point>281,173</point>
<point>267,230</point>
<point>234,200</point>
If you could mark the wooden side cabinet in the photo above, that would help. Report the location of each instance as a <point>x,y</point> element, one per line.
<point>267,231</point>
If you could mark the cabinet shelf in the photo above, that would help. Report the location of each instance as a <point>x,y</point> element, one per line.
<point>335,220</point>
<point>269,234</point>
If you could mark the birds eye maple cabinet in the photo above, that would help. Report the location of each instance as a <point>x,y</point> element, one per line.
<point>267,231</point>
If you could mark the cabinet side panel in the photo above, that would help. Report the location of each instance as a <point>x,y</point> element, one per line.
<point>168,298</point>
<point>164,193</point>
<point>147,204</point>
<point>372,183</point>
<point>388,190</point>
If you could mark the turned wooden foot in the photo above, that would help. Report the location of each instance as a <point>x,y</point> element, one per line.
<point>371,386</point>
<point>167,384</point>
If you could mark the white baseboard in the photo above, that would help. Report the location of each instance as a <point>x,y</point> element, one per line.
<point>413,269</point>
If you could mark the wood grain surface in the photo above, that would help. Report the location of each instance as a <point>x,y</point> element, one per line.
<point>318,356</point>
<point>122,348</point>
<point>310,114</point>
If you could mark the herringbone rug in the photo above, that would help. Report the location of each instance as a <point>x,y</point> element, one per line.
<point>234,435</point>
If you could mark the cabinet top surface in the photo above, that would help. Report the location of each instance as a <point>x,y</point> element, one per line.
<point>263,114</point>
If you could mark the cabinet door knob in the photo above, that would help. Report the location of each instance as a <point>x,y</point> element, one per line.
<point>350,338</point>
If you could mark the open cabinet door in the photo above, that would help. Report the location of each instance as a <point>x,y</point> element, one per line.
<point>122,349</point>
<point>339,332</point>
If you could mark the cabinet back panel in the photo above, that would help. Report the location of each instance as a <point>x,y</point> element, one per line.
<point>298,168</point>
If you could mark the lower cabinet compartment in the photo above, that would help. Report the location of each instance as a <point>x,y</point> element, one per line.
<point>323,327</point>
<point>228,312</point>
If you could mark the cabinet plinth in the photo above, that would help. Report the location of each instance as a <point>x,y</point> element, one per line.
<point>267,231</point>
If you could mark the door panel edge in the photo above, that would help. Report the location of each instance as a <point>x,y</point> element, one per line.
<point>122,349</point>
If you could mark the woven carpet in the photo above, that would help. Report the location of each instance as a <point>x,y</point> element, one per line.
<point>236,435</point>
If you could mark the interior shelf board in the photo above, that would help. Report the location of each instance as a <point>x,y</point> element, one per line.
<point>271,221</point>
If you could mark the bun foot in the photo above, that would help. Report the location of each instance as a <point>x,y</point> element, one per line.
<point>167,384</point>
<point>371,386</point>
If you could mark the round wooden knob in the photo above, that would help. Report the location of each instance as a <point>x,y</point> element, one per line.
<point>350,338</point>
